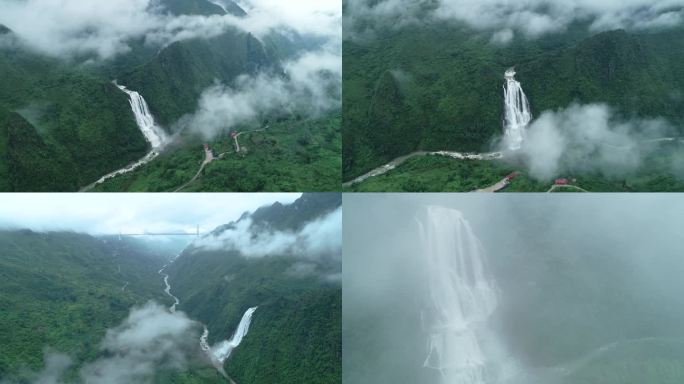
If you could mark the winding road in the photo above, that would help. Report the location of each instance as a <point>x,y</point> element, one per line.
<point>396,162</point>
<point>208,158</point>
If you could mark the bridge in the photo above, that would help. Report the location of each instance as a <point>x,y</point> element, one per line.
<point>179,233</point>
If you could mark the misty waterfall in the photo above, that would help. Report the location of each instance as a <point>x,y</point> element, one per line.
<point>517,113</point>
<point>222,351</point>
<point>153,133</point>
<point>461,297</point>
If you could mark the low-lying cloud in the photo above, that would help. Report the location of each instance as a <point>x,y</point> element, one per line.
<point>311,86</point>
<point>586,138</point>
<point>150,339</point>
<point>319,238</point>
<point>529,18</point>
<point>75,28</point>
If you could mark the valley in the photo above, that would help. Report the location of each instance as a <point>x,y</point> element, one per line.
<point>575,103</point>
<point>81,121</point>
<point>211,310</point>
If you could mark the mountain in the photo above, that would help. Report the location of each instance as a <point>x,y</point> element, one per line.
<point>439,87</point>
<point>77,126</point>
<point>63,290</point>
<point>295,335</point>
<point>174,79</point>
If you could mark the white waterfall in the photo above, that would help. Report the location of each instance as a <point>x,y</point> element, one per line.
<point>220,352</point>
<point>517,113</point>
<point>153,133</point>
<point>462,296</point>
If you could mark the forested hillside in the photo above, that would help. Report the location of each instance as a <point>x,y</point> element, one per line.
<point>439,86</point>
<point>295,335</point>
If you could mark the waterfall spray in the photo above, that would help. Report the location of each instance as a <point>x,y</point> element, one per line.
<point>461,297</point>
<point>154,134</point>
<point>517,113</point>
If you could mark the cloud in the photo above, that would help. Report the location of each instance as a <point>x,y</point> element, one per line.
<point>76,28</point>
<point>150,339</point>
<point>319,238</point>
<point>129,213</point>
<point>311,86</point>
<point>585,138</point>
<point>530,18</point>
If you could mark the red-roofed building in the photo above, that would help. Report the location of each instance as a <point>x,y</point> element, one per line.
<point>562,181</point>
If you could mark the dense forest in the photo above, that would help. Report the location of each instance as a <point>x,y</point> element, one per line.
<point>439,86</point>
<point>64,124</point>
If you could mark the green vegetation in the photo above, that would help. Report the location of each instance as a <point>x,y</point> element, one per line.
<point>63,290</point>
<point>438,86</point>
<point>290,155</point>
<point>296,333</point>
<point>63,125</point>
<point>432,173</point>
<point>172,81</point>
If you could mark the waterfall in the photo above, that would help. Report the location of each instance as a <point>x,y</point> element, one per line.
<point>461,297</point>
<point>220,352</point>
<point>154,134</point>
<point>517,113</point>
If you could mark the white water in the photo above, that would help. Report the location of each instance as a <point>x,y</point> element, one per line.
<point>221,351</point>
<point>153,133</point>
<point>167,289</point>
<point>517,113</point>
<point>462,296</point>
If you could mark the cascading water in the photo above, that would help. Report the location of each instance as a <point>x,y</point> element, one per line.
<point>153,133</point>
<point>517,113</point>
<point>462,296</point>
<point>220,352</point>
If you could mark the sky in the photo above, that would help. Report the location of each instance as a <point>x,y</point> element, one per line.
<point>130,213</point>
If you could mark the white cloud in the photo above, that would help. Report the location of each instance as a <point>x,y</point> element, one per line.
<point>321,237</point>
<point>531,18</point>
<point>584,138</point>
<point>129,212</point>
<point>312,87</point>
<point>151,338</point>
<point>68,28</point>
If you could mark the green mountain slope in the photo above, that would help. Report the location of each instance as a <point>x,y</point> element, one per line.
<point>174,79</point>
<point>451,78</point>
<point>84,124</point>
<point>63,290</point>
<point>295,335</point>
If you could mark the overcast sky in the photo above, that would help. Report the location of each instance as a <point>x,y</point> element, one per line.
<point>130,212</point>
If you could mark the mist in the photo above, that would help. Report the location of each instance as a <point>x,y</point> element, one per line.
<point>151,339</point>
<point>505,19</point>
<point>311,86</point>
<point>71,29</point>
<point>317,239</point>
<point>589,138</point>
<point>587,289</point>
